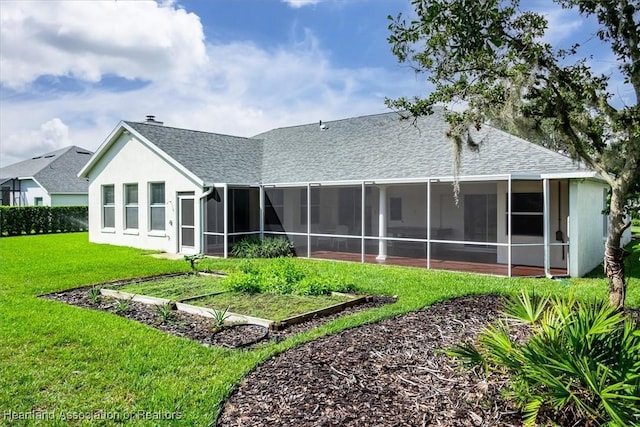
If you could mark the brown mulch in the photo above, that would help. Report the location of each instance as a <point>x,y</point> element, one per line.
<point>391,373</point>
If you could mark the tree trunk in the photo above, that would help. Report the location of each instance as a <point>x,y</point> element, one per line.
<point>614,255</point>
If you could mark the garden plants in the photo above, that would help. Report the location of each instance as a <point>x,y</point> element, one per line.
<point>269,247</point>
<point>574,363</point>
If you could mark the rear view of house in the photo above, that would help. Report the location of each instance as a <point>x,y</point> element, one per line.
<point>369,189</point>
<point>46,180</point>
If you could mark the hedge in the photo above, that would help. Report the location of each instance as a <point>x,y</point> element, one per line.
<point>19,220</point>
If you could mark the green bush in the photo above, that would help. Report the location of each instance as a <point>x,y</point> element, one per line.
<point>269,247</point>
<point>243,282</point>
<point>283,276</point>
<point>635,222</point>
<point>19,220</point>
<point>580,364</point>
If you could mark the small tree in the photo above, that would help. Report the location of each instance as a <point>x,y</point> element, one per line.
<point>491,55</point>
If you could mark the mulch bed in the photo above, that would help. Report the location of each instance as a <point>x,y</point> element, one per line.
<point>390,373</point>
<point>197,328</point>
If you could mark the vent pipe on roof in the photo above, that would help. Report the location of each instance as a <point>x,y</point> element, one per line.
<point>322,125</point>
<point>151,120</point>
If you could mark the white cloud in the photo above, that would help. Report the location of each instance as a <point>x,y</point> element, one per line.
<point>50,136</point>
<point>87,40</point>
<point>301,3</point>
<point>237,88</point>
<point>562,24</point>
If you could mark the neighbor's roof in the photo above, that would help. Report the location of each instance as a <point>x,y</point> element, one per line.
<point>212,157</point>
<point>55,171</point>
<point>385,146</point>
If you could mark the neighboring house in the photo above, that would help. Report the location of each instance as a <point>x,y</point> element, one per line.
<point>47,180</point>
<point>370,189</point>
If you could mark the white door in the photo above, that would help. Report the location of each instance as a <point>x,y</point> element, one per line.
<point>187,225</point>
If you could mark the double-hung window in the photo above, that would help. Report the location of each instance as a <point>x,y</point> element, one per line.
<point>108,206</point>
<point>156,206</point>
<point>131,206</point>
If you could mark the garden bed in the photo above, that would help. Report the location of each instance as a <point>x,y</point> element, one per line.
<point>198,321</point>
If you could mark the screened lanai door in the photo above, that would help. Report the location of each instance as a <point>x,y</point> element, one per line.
<point>187,232</point>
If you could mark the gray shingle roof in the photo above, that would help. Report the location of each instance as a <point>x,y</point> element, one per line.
<point>385,147</point>
<point>210,156</point>
<point>381,146</point>
<point>55,171</point>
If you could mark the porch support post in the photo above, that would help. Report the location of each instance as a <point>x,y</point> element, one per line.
<point>509,233</point>
<point>382,223</point>
<point>545,226</point>
<point>429,224</point>
<point>308,220</point>
<point>261,208</point>
<point>225,207</point>
<point>362,221</point>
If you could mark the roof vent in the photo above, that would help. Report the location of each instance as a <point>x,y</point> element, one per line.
<point>322,125</point>
<point>151,120</point>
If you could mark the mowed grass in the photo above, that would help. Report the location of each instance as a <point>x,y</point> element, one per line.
<point>269,306</point>
<point>70,361</point>
<point>176,288</point>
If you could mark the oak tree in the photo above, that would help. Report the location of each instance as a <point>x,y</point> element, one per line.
<point>491,55</point>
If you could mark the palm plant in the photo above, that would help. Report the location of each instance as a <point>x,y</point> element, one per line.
<point>580,364</point>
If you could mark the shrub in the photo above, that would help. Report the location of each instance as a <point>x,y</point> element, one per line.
<point>18,220</point>
<point>269,247</point>
<point>243,282</point>
<point>580,364</point>
<point>283,276</point>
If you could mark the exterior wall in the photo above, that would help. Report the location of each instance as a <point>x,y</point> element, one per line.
<point>69,200</point>
<point>129,161</point>
<point>28,191</point>
<point>587,232</point>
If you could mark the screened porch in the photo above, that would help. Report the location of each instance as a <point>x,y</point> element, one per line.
<point>502,225</point>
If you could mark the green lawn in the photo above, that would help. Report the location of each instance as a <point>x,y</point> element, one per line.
<point>269,306</point>
<point>69,361</point>
<point>176,288</point>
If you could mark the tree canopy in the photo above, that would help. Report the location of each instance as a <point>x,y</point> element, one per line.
<point>493,57</point>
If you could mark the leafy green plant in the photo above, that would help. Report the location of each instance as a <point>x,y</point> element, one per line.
<point>193,261</point>
<point>580,364</point>
<point>219,316</point>
<point>284,276</point>
<point>94,294</point>
<point>165,311</point>
<point>122,306</point>
<point>269,247</point>
<point>243,282</point>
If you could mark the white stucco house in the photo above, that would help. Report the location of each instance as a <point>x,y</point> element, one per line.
<point>49,179</point>
<point>370,189</point>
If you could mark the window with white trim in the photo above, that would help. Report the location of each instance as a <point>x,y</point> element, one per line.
<point>37,201</point>
<point>108,206</point>
<point>156,206</point>
<point>131,206</point>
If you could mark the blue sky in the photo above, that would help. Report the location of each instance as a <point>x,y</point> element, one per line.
<point>71,70</point>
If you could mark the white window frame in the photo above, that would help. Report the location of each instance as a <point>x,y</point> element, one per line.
<point>156,206</point>
<point>130,206</point>
<point>108,206</point>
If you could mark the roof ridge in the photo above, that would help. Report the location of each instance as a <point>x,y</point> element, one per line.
<point>185,129</point>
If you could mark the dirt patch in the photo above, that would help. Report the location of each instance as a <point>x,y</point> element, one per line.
<point>199,328</point>
<point>389,373</point>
